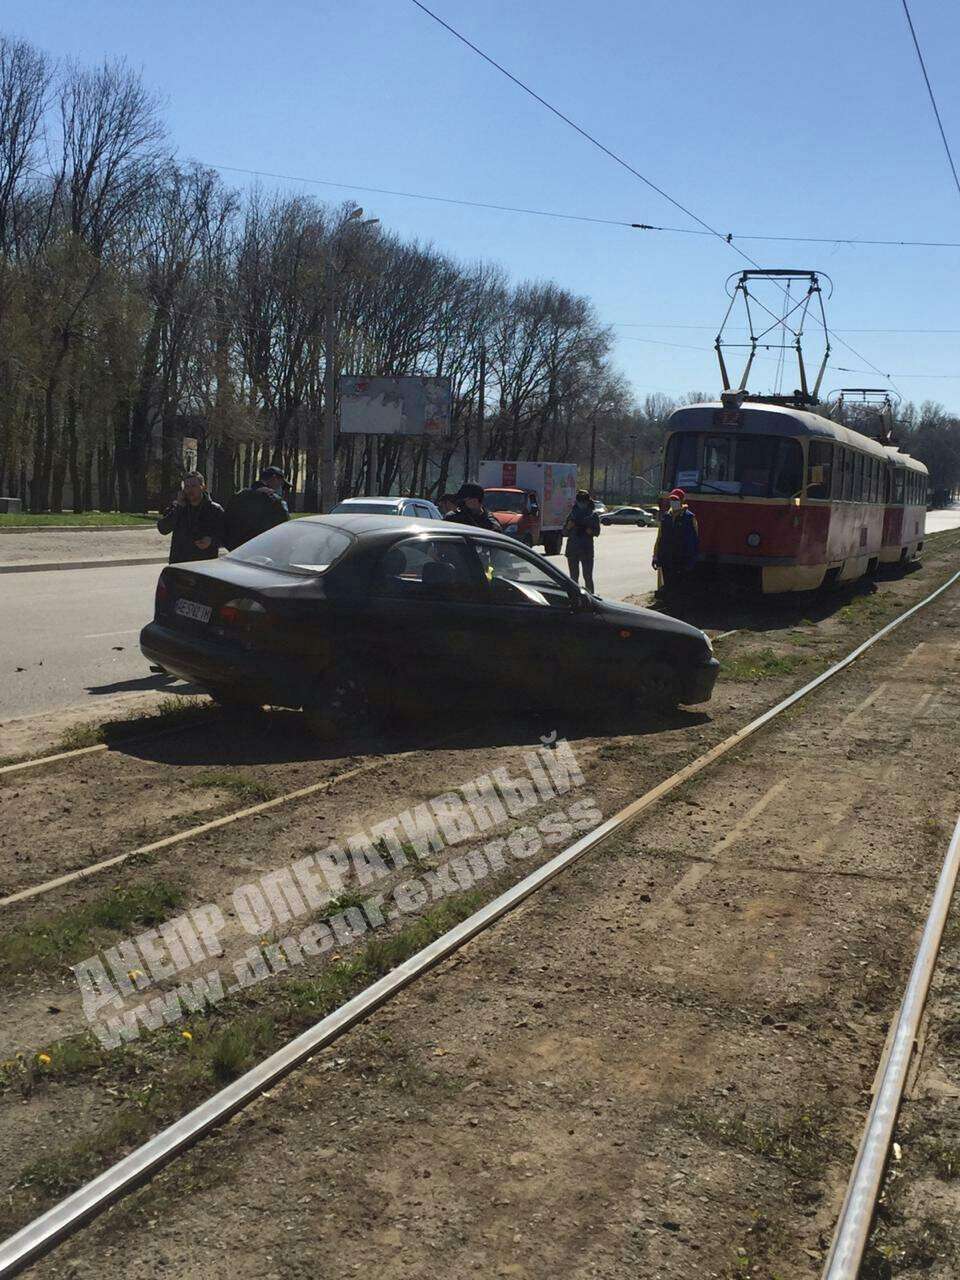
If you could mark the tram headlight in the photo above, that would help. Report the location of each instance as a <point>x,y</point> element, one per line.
<point>753,539</point>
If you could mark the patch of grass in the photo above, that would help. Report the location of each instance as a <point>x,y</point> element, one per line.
<point>799,1141</point>
<point>235,1048</point>
<point>910,1245</point>
<point>760,664</point>
<point>70,935</point>
<point>249,790</point>
<point>67,1168</point>
<point>944,1158</point>
<point>81,735</point>
<point>102,519</point>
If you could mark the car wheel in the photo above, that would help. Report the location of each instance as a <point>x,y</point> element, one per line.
<point>526,540</point>
<point>656,686</point>
<point>341,702</point>
<point>604,520</point>
<point>552,543</point>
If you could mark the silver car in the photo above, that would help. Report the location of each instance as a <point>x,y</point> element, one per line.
<point>410,508</point>
<point>630,515</point>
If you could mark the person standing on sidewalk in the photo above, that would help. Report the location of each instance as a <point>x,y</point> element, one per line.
<point>677,545</point>
<point>195,522</point>
<point>582,527</point>
<point>257,509</point>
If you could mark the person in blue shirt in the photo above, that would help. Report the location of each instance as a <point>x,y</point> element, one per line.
<point>581,527</point>
<point>678,543</point>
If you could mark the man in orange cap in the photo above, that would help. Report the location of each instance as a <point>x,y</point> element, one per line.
<point>678,542</point>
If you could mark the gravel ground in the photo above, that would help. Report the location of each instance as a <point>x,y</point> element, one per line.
<point>657,1068</point>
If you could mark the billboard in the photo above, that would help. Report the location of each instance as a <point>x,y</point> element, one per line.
<point>395,406</point>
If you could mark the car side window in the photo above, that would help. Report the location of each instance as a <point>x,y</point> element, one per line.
<point>422,511</point>
<point>428,569</point>
<point>513,579</point>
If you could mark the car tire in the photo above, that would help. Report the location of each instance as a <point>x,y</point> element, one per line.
<point>526,540</point>
<point>552,542</point>
<point>341,701</point>
<point>605,520</point>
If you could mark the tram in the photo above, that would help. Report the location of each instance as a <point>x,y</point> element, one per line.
<point>905,514</point>
<point>787,498</point>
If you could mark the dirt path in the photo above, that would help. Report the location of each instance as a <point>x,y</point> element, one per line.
<point>659,1067</point>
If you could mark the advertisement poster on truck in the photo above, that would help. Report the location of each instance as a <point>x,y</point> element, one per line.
<point>554,483</point>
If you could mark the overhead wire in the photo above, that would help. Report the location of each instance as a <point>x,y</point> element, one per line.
<point>933,100</point>
<point>618,159</point>
<point>567,217</point>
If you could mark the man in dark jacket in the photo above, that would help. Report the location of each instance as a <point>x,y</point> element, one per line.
<point>257,509</point>
<point>581,527</point>
<point>195,521</point>
<point>470,509</point>
<point>678,542</point>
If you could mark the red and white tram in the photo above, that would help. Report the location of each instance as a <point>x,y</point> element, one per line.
<point>787,500</point>
<point>904,519</point>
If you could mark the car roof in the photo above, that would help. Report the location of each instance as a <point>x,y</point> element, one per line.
<point>392,499</point>
<point>373,526</point>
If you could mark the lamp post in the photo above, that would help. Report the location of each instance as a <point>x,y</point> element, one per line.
<point>332,268</point>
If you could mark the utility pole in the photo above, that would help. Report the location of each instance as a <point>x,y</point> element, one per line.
<point>331,274</point>
<point>481,411</point>
<point>328,476</point>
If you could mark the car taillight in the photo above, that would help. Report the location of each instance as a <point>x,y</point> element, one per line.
<point>242,612</point>
<point>162,595</point>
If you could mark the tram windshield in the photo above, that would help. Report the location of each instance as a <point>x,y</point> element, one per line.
<point>749,466</point>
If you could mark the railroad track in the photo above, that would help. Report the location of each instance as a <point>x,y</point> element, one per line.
<point>42,1235</point>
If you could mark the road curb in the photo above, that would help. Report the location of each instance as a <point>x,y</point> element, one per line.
<point>80,564</point>
<point>148,524</point>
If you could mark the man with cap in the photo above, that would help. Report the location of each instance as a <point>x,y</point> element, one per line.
<point>678,542</point>
<point>470,509</point>
<point>257,509</point>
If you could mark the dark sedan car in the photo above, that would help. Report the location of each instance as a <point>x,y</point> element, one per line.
<point>342,614</point>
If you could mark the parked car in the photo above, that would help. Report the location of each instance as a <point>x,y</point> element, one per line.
<point>347,615</point>
<point>411,508</point>
<point>630,515</point>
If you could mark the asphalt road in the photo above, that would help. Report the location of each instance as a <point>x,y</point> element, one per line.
<point>68,638</point>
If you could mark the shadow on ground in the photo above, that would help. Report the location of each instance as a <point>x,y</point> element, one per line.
<point>279,736</point>
<point>716,609</point>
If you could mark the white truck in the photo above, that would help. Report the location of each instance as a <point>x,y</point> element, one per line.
<point>530,500</point>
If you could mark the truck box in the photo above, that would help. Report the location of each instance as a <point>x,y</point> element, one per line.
<point>554,483</point>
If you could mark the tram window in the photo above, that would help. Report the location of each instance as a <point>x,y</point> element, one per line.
<point>819,468</point>
<point>787,475</point>
<point>847,491</point>
<point>752,466</point>
<point>898,488</point>
<point>682,462</point>
<point>875,494</point>
<point>718,460</point>
<point>858,477</point>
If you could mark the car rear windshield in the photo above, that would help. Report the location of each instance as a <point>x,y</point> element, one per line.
<point>753,466</point>
<point>300,546</point>
<point>365,509</point>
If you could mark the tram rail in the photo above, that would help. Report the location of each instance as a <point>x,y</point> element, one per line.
<point>54,1226</point>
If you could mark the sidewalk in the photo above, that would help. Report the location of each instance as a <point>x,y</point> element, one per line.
<point>31,550</point>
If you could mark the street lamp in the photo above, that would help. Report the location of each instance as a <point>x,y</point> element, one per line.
<point>328,475</point>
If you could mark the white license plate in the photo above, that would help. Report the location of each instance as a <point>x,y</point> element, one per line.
<point>190,609</point>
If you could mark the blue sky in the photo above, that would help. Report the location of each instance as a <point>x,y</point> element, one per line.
<point>774,118</point>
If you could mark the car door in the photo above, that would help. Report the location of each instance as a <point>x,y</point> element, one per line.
<point>425,602</point>
<point>539,628</point>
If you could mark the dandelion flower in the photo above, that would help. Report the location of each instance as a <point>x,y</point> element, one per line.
<point>187,1035</point>
<point>44,1059</point>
